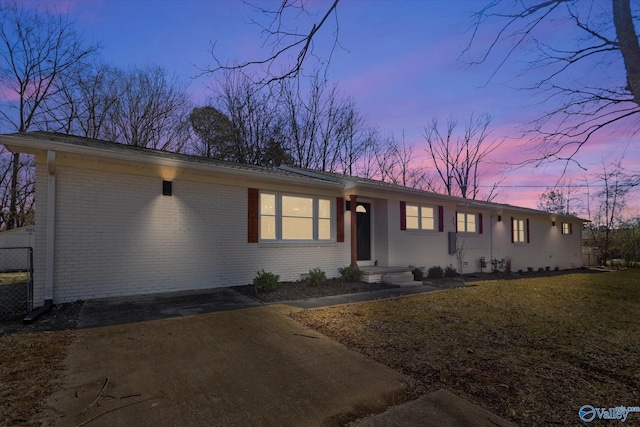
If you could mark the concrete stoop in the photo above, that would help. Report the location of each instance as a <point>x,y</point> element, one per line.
<point>438,409</point>
<point>399,276</point>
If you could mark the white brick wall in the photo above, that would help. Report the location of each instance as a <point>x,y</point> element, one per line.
<point>547,247</point>
<point>117,235</point>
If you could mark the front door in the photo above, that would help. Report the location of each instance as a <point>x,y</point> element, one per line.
<point>363,213</point>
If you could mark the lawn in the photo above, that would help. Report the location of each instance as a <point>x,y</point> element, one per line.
<point>11,278</point>
<point>531,350</point>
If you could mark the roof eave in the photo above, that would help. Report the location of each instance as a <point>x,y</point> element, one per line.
<point>33,146</point>
<point>497,208</point>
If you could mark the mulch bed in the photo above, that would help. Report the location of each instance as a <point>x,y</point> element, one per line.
<point>292,291</point>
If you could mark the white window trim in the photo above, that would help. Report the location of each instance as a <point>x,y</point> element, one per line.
<point>419,206</point>
<point>466,223</point>
<point>563,224</point>
<point>315,218</point>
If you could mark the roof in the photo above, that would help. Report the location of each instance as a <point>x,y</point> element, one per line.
<point>359,182</point>
<point>31,142</point>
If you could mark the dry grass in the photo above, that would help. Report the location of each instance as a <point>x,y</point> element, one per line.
<point>533,350</point>
<point>11,278</point>
<point>30,365</point>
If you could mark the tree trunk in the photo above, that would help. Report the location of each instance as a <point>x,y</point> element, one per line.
<point>629,47</point>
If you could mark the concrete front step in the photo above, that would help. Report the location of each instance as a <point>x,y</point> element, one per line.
<point>377,274</point>
<point>394,278</point>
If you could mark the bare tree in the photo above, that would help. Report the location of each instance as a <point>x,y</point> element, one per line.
<point>602,39</point>
<point>559,39</point>
<point>85,100</point>
<point>25,203</point>
<point>284,40</point>
<point>356,139</point>
<point>457,157</point>
<point>144,107</point>
<point>255,118</point>
<point>615,183</point>
<point>310,118</point>
<point>323,127</point>
<point>367,165</point>
<point>151,110</point>
<point>562,199</point>
<point>393,161</point>
<point>37,50</point>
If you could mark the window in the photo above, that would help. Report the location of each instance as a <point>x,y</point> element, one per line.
<point>466,223</point>
<point>324,219</point>
<point>297,218</point>
<point>289,217</point>
<point>566,228</point>
<point>519,231</point>
<point>267,216</point>
<point>420,217</point>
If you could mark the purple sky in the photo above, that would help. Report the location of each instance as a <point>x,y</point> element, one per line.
<point>399,60</point>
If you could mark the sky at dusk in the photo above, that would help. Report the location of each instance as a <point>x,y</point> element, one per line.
<point>399,60</point>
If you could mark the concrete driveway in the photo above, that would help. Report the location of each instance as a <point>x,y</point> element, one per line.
<point>252,366</point>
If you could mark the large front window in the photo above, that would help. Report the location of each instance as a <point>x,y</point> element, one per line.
<point>289,217</point>
<point>297,218</point>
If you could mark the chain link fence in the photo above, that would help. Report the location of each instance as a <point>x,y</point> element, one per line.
<point>16,282</point>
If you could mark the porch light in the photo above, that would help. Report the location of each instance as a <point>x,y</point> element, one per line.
<point>553,223</point>
<point>166,188</point>
<point>499,218</point>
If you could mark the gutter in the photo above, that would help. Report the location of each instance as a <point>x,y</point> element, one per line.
<point>49,240</point>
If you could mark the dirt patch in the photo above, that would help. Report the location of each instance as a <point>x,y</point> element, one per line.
<point>31,361</point>
<point>30,365</point>
<point>292,291</point>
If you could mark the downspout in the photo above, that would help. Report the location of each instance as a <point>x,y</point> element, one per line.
<point>49,243</point>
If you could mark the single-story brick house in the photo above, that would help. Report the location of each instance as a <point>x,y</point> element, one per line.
<point>113,220</point>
